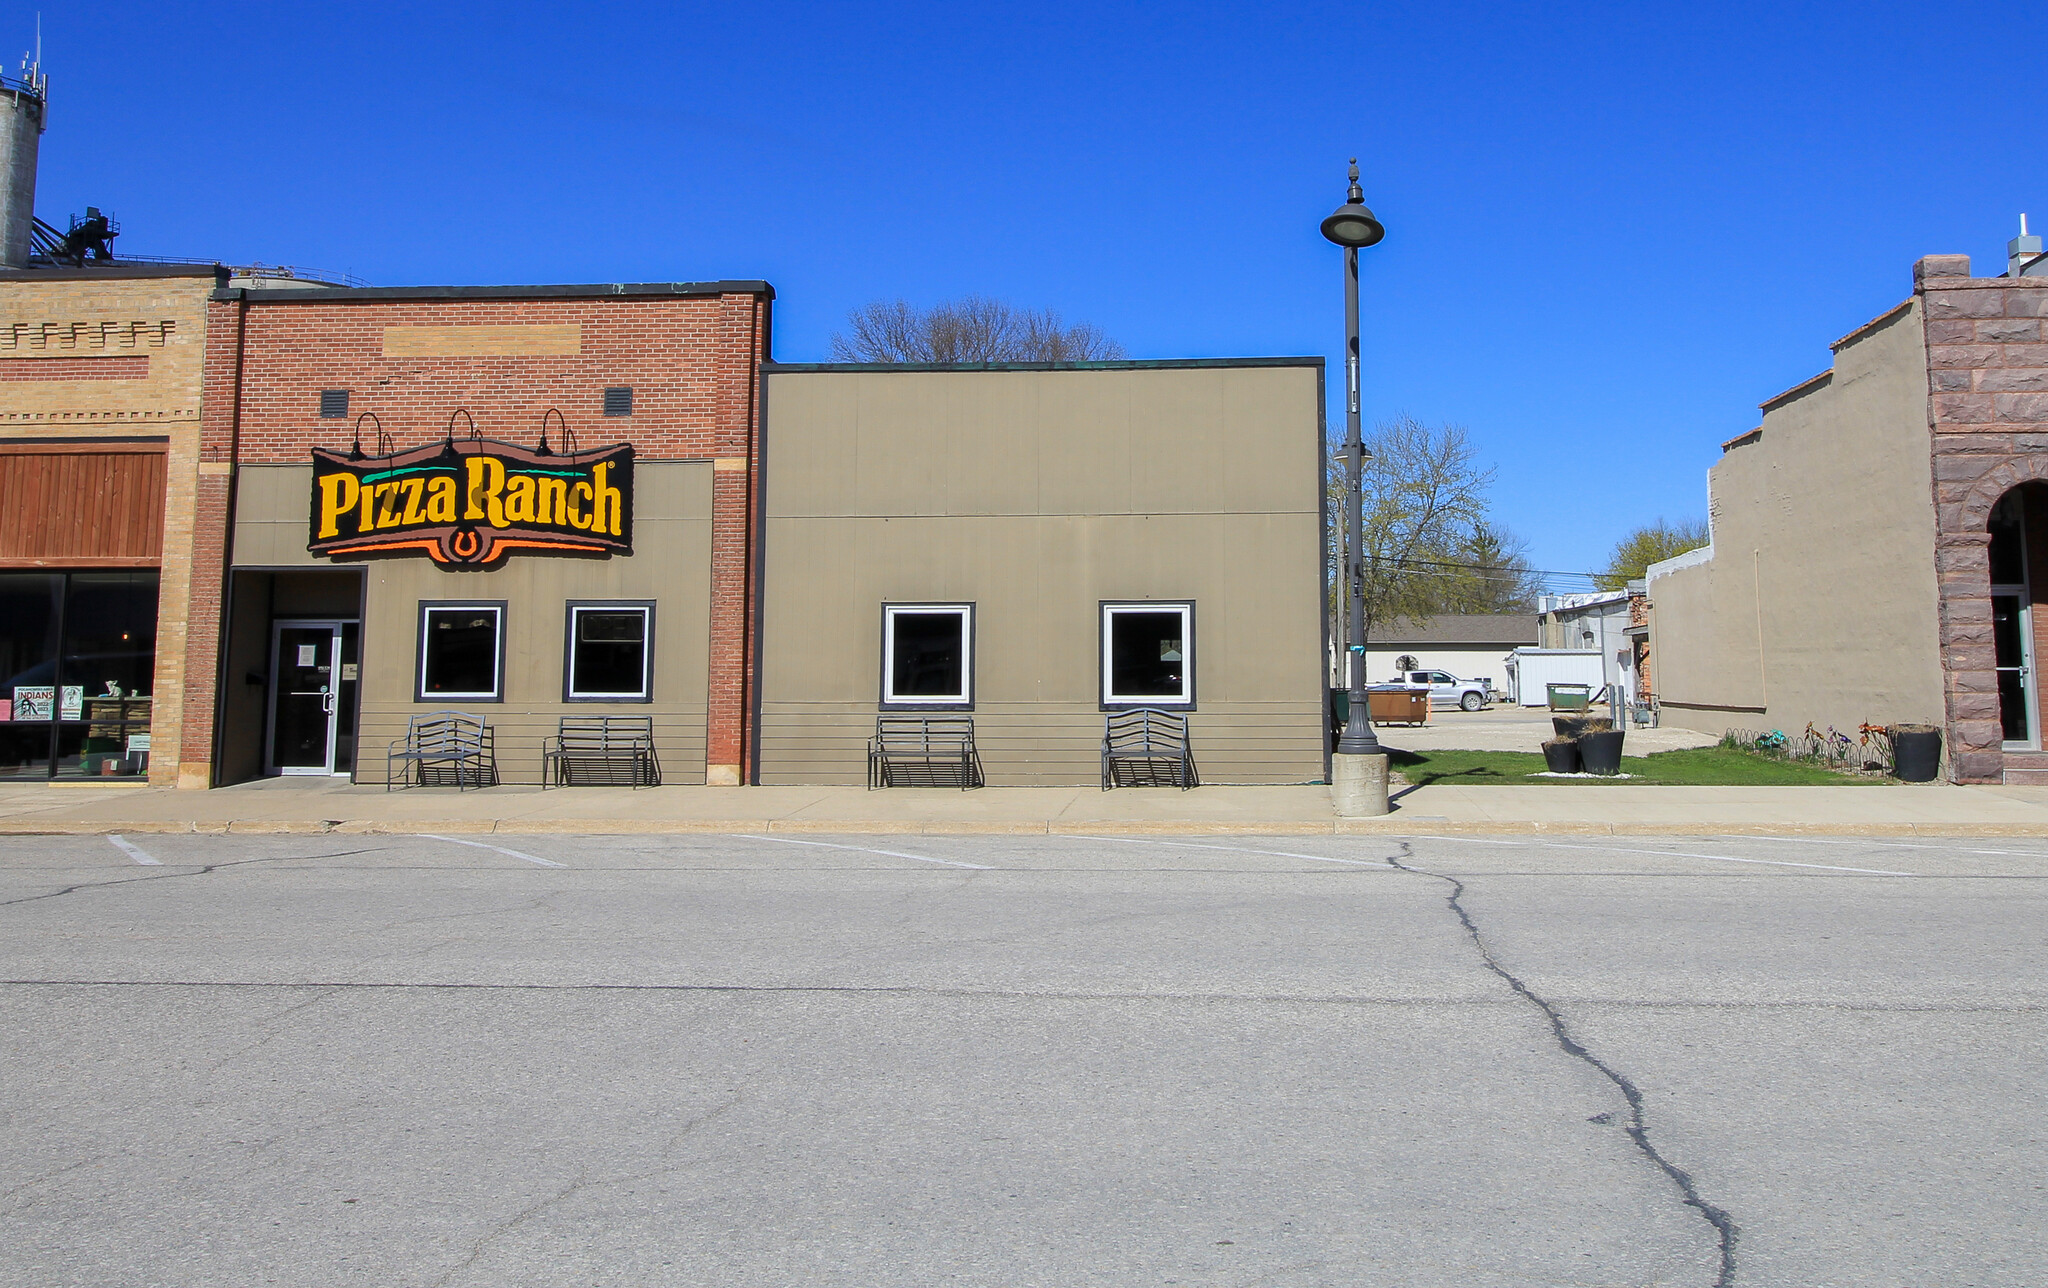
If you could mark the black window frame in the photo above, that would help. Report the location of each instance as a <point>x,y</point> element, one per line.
<point>623,393</point>
<point>419,670</point>
<point>569,611</point>
<point>340,413</point>
<point>1104,609</point>
<point>967,611</point>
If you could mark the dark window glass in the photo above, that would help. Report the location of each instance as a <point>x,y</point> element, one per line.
<point>28,629</point>
<point>929,656</point>
<point>459,657</point>
<point>618,400</point>
<point>608,653</point>
<point>333,403</point>
<point>28,661</point>
<point>1145,655</point>
<point>2008,542</point>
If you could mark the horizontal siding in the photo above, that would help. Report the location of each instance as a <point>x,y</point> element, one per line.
<point>518,733</point>
<point>1046,745</point>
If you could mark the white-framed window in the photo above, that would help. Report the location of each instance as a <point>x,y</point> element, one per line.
<point>462,651</point>
<point>927,655</point>
<point>608,655</point>
<point>1148,654</point>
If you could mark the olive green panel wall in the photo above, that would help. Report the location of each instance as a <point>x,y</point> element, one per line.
<point>1037,495</point>
<point>670,565</point>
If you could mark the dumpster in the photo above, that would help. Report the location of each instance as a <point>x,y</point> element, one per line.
<point>1569,697</point>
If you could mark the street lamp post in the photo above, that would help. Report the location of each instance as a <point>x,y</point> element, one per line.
<point>1354,227</point>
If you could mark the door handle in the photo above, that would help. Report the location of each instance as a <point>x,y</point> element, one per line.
<point>327,703</point>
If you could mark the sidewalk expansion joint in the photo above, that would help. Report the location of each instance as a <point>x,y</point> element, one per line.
<point>1637,1129</point>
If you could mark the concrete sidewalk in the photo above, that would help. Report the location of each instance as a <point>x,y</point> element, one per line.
<point>287,805</point>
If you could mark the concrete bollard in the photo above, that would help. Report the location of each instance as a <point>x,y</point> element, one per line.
<point>1358,785</point>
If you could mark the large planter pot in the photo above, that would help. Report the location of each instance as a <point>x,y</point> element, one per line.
<point>1600,751</point>
<point>1916,752</point>
<point>1573,726</point>
<point>1561,755</point>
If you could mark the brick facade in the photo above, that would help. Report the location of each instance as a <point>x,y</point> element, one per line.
<point>1987,377</point>
<point>411,357</point>
<point>116,353</point>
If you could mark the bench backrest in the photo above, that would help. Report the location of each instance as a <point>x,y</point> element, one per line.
<point>915,735</point>
<point>599,735</point>
<point>1145,729</point>
<point>447,731</point>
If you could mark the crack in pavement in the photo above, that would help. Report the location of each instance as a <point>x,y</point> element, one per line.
<point>583,1182</point>
<point>1638,1131</point>
<point>195,872</point>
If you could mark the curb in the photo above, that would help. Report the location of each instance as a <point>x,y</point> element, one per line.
<point>1392,826</point>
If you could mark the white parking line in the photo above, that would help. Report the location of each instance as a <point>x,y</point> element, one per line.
<point>530,858</point>
<point>136,853</point>
<point>1677,854</point>
<point>862,849</point>
<point>1238,849</point>
<point>1908,845</point>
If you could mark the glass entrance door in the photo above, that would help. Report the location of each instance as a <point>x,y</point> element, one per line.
<point>313,681</point>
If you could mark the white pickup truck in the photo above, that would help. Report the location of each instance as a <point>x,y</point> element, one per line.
<point>1447,688</point>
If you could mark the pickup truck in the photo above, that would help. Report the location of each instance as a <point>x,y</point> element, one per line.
<point>1447,688</point>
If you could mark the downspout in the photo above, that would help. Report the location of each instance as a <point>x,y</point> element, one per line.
<point>227,545</point>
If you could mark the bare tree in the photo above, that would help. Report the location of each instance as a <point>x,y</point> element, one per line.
<point>974,329</point>
<point>1424,510</point>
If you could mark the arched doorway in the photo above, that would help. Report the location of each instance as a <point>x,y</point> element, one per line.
<point>2018,557</point>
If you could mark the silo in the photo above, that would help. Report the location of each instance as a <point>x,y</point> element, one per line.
<point>22,107</point>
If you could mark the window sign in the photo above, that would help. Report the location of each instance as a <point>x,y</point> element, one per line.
<point>1148,655</point>
<point>35,701</point>
<point>609,655</point>
<point>471,502</point>
<point>462,652</point>
<point>928,655</point>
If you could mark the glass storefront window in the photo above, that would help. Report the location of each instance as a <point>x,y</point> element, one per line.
<point>462,652</point>
<point>78,657</point>
<point>1148,655</point>
<point>608,652</point>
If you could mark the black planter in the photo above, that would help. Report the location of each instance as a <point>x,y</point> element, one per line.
<point>1600,752</point>
<point>1916,752</point>
<point>1573,726</point>
<point>1561,755</point>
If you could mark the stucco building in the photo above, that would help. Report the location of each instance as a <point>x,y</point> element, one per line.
<point>1039,546</point>
<point>1880,541</point>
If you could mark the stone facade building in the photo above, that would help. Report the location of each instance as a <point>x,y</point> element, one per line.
<point>1880,541</point>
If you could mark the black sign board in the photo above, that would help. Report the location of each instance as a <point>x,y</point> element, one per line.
<point>472,502</point>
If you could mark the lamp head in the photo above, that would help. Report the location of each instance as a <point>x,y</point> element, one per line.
<point>1352,225</point>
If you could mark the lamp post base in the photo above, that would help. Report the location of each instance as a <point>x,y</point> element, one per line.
<point>1358,785</point>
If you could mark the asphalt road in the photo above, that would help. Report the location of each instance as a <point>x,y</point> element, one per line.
<point>1050,1061</point>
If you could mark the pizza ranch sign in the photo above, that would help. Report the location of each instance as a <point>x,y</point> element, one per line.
<point>472,502</point>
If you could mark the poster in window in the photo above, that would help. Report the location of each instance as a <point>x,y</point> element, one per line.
<point>34,701</point>
<point>71,702</point>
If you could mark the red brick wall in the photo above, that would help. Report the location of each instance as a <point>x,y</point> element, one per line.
<point>692,362</point>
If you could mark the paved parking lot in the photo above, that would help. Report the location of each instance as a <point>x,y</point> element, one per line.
<point>1033,1061</point>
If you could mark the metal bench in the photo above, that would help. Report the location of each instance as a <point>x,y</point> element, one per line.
<point>923,751</point>
<point>1147,748</point>
<point>601,751</point>
<point>443,748</point>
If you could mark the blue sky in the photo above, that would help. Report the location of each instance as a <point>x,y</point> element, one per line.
<point>1612,230</point>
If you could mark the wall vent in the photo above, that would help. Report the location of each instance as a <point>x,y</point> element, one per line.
<point>618,400</point>
<point>333,404</point>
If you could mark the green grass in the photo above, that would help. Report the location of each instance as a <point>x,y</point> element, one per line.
<point>1695,767</point>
